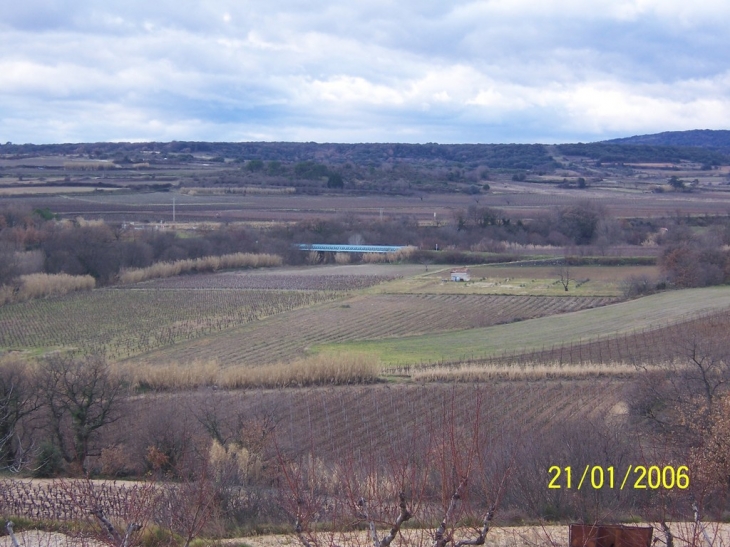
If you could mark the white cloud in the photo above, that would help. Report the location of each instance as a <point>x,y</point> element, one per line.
<point>361,70</point>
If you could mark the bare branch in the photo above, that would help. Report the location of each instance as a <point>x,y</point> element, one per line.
<point>481,538</point>
<point>669,538</point>
<point>299,530</point>
<point>9,528</point>
<point>362,504</point>
<point>403,516</point>
<point>108,526</point>
<point>131,529</point>
<point>440,536</point>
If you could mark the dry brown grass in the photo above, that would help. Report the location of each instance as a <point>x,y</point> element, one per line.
<point>522,371</point>
<point>398,256</point>
<point>373,258</point>
<point>343,369</point>
<point>204,264</point>
<point>342,258</point>
<point>41,285</point>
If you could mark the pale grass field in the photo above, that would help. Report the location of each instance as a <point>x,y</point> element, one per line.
<point>523,280</point>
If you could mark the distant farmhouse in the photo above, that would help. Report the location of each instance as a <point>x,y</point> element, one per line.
<point>460,274</point>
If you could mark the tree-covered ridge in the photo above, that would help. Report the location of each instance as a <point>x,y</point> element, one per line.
<point>707,138</point>
<point>495,156</point>
<point>628,153</point>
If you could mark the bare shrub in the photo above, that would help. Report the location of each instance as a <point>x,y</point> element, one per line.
<point>487,245</point>
<point>374,258</point>
<point>402,254</point>
<point>313,258</point>
<point>637,285</point>
<point>119,514</point>
<point>342,258</point>
<point>6,294</point>
<point>116,461</point>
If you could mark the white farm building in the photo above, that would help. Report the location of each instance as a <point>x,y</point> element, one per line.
<point>460,274</point>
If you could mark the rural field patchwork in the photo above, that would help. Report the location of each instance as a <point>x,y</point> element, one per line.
<point>649,312</point>
<point>365,317</point>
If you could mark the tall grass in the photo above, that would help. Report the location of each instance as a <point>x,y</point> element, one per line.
<point>41,285</point>
<point>398,256</point>
<point>204,264</point>
<point>329,369</point>
<point>342,258</point>
<point>523,371</point>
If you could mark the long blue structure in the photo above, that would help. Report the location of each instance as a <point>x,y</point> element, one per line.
<point>348,248</point>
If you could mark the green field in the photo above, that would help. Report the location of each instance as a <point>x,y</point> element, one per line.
<point>645,313</point>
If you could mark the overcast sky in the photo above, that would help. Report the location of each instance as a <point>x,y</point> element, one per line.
<point>361,70</point>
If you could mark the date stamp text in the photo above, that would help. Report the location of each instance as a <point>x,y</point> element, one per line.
<point>637,477</point>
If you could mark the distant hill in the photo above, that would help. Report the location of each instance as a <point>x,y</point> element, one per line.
<point>494,156</point>
<point>704,138</point>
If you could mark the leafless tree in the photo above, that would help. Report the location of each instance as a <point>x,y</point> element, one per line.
<point>19,399</point>
<point>81,398</point>
<point>564,273</point>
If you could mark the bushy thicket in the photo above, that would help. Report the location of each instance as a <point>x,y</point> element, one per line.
<point>696,256</point>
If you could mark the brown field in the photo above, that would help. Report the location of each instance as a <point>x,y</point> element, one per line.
<point>518,200</point>
<point>269,282</point>
<point>120,323</point>
<point>53,190</point>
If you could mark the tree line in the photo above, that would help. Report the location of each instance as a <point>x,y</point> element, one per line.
<point>694,250</point>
